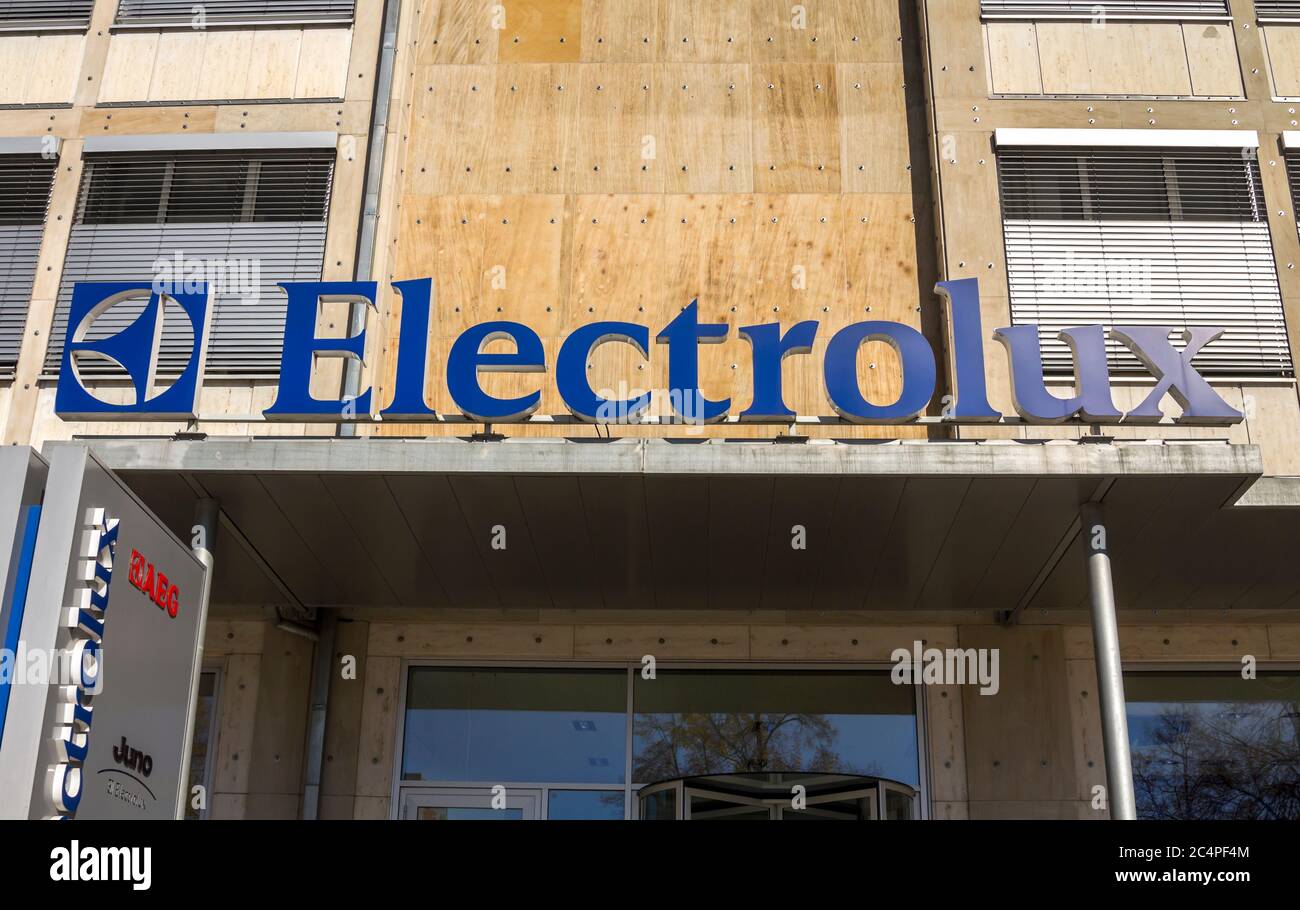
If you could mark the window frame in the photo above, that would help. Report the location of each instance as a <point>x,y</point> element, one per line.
<point>629,787</point>
<point>1085,13</point>
<point>1223,668</point>
<point>49,24</point>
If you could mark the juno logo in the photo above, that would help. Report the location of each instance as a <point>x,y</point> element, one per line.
<point>134,349</point>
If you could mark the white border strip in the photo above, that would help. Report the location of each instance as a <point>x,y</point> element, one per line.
<point>1236,139</point>
<point>1291,139</point>
<point>31,145</point>
<point>178,142</point>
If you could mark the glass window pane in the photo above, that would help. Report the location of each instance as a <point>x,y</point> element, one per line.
<point>720,722</point>
<point>1214,745</point>
<point>584,804</point>
<point>660,805</point>
<point>201,747</point>
<point>504,725</point>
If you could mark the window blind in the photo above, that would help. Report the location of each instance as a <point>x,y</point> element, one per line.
<point>1182,10</point>
<point>25,184</point>
<point>45,14</point>
<point>1277,10</point>
<point>243,222</point>
<point>1142,236</point>
<point>166,12</point>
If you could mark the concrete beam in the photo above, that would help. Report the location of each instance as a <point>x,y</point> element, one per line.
<point>663,457</point>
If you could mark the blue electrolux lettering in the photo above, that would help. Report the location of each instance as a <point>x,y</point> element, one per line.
<point>84,621</point>
<point>135,348</point>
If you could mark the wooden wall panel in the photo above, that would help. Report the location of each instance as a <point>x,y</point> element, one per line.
<point>1062,52</point>
<point>226,64</point>
<point>1013,58</point>
<point>650,165</point>
<point>541,31</point>
<point>1212,57</point>
<point>1283,42</point>
<point>796,128</point>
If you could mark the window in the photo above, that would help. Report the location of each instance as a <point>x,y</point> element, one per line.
<point>1214,745</point>
<point>45,15</point>
<point>25,183</point>
<point>577,743</point>
<point>1267,11</point>
<point>1293,172</point>
<point>203,749</point>
<point>242,221</point>
<point>1180,10</point>
<point>233,12</point>
<point>696,722</point>
<point>1142,236</point>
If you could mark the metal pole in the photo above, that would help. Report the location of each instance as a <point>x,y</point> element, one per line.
<point>203,543</point>
<point>1110,671</point>
<point>320,698</point>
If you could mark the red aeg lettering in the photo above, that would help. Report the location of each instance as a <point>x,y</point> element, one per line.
<point>144,577</point>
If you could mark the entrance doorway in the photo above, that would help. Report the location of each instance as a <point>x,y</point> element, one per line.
<point>778,797</point>
<point>465,804</point>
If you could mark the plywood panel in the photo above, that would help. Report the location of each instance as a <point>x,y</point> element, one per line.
<point>1138,58</point>
<point>869,32</point>
<point>717,31</point>
<point>1212,56</point>
<point>451,121</point>
<point>531,144</point>
<point>1177,643</point>
<point>274,69</point>
<point>1063,58</point>
<point>796,130</point>
<point>620,31</point>
<point>179,63</point>
<point>53,76</point>
<point>128,72</point>
<point>1013,58</point>
<point>804,32</point>
<point>457,31</point>
<point>227,59</point>
<point>238,706</point>
<point>875,151</point>
<point>617,136</point>
<point>17,59</point>
<point>541,31</point>
<point>1284,58</point>
<point>323,63</point>
<point>705,128</point>
<point>413,640</point>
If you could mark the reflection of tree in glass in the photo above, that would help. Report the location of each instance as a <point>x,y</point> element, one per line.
<point>684,745</point>
<point>1228,761</point>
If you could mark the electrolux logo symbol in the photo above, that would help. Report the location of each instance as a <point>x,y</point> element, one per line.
<point>135,349</point>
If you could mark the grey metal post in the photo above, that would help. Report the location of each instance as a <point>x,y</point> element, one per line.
<point>1110,671</point>
<point>322,671</point>
<point>203,542</point>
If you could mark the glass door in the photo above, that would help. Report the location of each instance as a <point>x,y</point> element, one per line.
<point>469,804</point>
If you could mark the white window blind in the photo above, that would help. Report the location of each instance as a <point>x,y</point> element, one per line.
<point>1293,172</point>
<point>39,15</point>
<point>1277,10</point>
<point>1143,237</point>
<point>25,183</point>
<point>169,12</point>
<point>1180,10</point>
<point>244,222</point>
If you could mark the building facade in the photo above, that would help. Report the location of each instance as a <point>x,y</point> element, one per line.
<point>591,615</point>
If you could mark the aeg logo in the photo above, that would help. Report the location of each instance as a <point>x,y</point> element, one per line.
<point>144,577</point>
<point>134,349</point>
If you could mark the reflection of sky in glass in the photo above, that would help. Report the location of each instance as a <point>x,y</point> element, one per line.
<point>584,804</point>
<point>1146,718</point>
<point>500,745</point>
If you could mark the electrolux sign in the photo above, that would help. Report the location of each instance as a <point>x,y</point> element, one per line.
<point>136,350</point>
